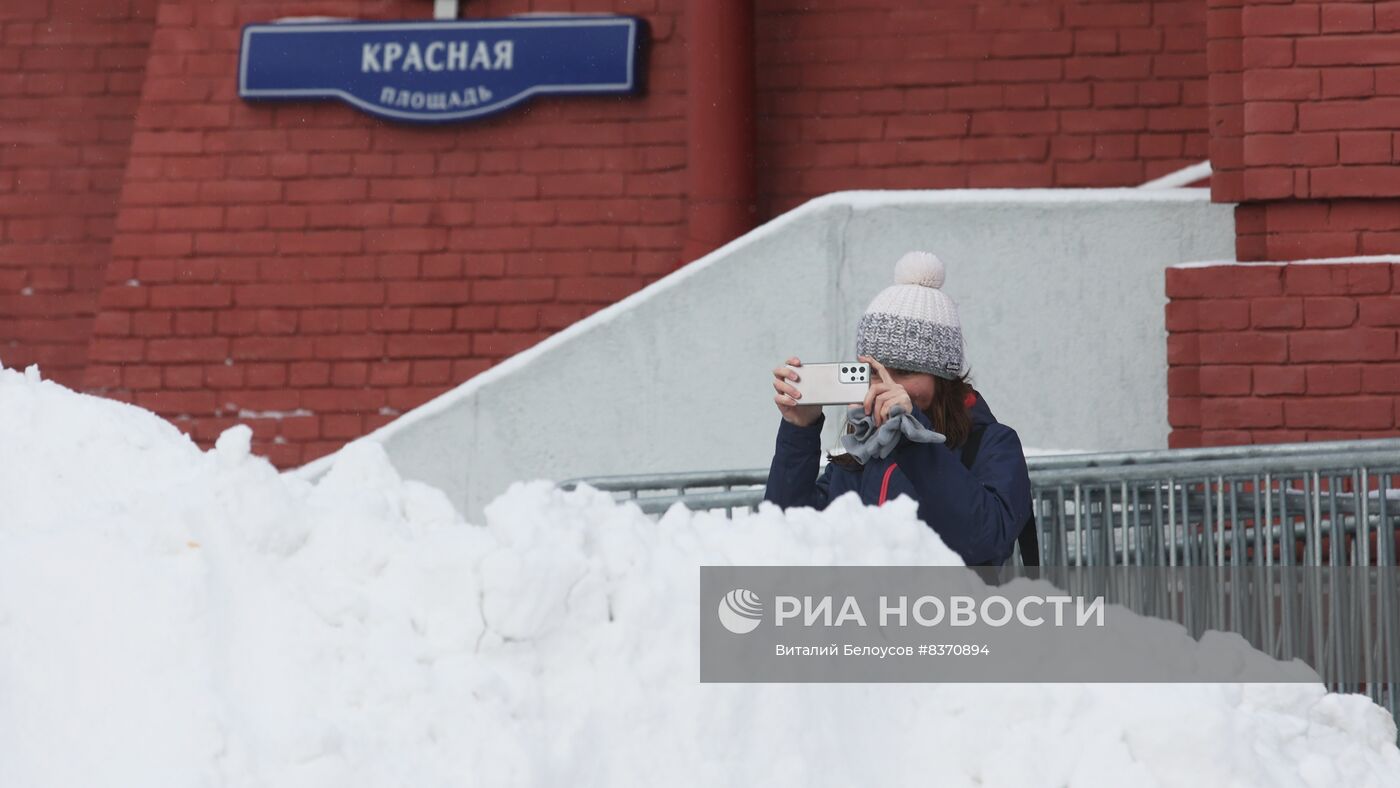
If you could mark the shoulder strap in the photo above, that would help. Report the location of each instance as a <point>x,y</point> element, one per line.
<point>1029,541</point>
<point>969,449</point>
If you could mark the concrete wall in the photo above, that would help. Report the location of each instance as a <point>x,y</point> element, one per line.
<point>1062,301</point>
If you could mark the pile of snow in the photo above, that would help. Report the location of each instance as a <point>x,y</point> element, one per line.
<point>176,617</point>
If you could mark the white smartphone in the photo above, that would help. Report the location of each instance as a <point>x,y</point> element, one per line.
<point>832,382</point>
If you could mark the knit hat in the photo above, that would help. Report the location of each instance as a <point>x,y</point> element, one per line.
<point>913,324</point>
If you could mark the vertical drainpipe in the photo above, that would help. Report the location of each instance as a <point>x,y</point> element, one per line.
<point>720,114</point>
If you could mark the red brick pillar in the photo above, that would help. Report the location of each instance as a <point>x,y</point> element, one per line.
<point>721,204</point>
<point>1273,352</point>
<point>1305,100</point>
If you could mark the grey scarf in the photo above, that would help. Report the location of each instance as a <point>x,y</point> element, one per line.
<point>866,441</point>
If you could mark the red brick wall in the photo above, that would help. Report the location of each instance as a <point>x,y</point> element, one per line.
<point>70,74</point>
<point>1278,353</point>
<point>1305,103</point>
<point>313,272</point>
<point>1305,97</point>
<point>886,94</point>
<point>1311,229</point>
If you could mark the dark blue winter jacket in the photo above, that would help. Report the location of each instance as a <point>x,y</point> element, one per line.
<point>977,512</point>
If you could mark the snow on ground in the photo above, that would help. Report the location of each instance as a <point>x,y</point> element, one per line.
<point>176,617</point>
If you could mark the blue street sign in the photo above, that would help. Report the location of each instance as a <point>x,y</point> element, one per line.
<point>431,72</point>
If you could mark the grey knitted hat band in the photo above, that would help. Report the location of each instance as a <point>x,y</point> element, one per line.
<point>909,343</point>
<point>913,324</point>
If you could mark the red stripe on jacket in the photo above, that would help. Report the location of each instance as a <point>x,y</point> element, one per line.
<point>885,483</point>
<point>968,401</point>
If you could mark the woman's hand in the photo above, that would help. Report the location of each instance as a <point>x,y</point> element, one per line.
<point>884,394</point>
<point>788,395</point>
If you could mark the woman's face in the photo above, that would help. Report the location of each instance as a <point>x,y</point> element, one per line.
<point>918,384</point>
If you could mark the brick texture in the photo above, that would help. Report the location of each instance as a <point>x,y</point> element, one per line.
<point>1311,229</point>
<point>894,95</point>
<point>1304,101</point>
<point>313,272</point>
<point>1318,357</point>
<point>70,79</point>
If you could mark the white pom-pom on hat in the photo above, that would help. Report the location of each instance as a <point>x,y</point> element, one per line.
<point>919,268</point>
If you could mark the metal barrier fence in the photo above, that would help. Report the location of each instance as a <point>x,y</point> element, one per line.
<point>1307,504</point>
<point>1226,506</point>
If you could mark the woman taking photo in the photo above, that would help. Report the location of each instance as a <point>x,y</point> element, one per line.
<point>922,431</point>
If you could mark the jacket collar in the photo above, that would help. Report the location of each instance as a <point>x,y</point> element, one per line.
<point>981,414</point>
